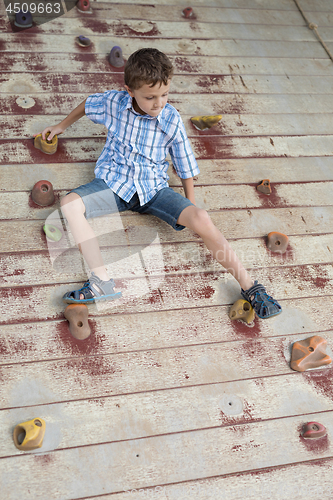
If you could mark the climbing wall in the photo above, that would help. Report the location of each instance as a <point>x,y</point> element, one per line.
<point>168,398</point>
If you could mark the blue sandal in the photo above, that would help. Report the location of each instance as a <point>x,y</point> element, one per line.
<point>263,304</point>
<point>103,290</point>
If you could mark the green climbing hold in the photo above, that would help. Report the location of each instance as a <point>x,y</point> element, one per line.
<point>52,232</point>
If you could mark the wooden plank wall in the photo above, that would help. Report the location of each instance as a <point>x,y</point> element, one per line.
<point>168,398</point>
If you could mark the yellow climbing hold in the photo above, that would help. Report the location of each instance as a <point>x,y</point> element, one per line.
<point>29,435</point>
<point>204,122</point>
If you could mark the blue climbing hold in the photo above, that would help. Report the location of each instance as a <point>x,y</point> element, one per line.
<point>116,57</point>
<point>23,19</point>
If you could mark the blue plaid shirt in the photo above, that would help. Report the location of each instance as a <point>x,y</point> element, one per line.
<point>133,158</point>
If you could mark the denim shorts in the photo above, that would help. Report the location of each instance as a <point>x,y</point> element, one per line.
<point>99,200</point>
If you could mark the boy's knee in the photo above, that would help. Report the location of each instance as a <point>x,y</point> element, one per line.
<point>72,204</point>
<point>202,221</point>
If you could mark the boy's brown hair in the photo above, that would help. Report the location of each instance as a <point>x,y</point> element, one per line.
<point>148,66</point>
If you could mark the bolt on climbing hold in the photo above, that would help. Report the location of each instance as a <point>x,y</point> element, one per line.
<point>187,12</point>
<point>314,430</point>
<point>83,41</point>
<point>42,193</point>
<point>23,19</point>
<point>243,310</point>
<point>48,147</point>
<point>84,6</point>
<point>309,353</point>
<point>52,232</point>
<point>77,316</point>
<point>204,122</point>
<point>29,435</point>
<point>265,187</point>
<point>277,242</point>
<point>116,57</point>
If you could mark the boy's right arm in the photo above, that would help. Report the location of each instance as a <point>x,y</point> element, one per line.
<point>75,115</point>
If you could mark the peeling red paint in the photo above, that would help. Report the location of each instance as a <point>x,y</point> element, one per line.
<point>248,331</point>
<point>182,64</point>
<point>68,345</point>
<point>44,459</point>
<point>321,380</point>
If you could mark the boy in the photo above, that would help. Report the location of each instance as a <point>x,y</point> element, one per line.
<point>131,174</point>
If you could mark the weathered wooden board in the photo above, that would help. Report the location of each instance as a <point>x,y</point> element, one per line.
<point>56,107</point>
<point>311,481</point>
<point>204,147</point>
<point>141,463</point>
<point>215,197</point>
<point>212,172</point>
<point>223,48</point>
<point>189,64</point>
<point>163,292</point>
<point>158,369</point>
<point>172,410</point>
<point>111,334</point>
<point>239,125</point>
<point>26,83</point>
<point>18,236</point>
<point>130,260</point>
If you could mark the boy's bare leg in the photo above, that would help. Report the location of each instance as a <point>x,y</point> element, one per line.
<point>199,221</point>
<point>73,209</point>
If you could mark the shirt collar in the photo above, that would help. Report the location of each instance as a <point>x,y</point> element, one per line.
<point>128,104</point>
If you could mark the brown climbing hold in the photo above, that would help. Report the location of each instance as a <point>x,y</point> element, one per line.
<point>314,430</point>
<point>48,147</point>
<point>29,435</point>
<point>277,242</point>
<point>187,12</point>
<point>264,187</point>
<point>243,310</point>
<point>309,353</point>
<point>204,122</point>
<point>42,193</point>
<point>77,315</point>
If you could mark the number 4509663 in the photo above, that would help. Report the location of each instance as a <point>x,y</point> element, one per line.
<point>40,8</point>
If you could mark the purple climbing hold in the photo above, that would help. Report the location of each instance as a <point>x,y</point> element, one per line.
<point>116,57</point>
<point>83,41</point>
<point>23,19</point>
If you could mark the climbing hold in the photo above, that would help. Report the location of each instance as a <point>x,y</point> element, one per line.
<point>231,404</point>
<point>23,19</point>
<point>265,187</point>
<point>25,102</point>
<point>116,57</point>
<point>309,353</point>
<point>277,242</point>
<point>242,309</point>
<point>29,435</point>
<point>187,12</point>
<point>314,430</point>
<point>42,193</point>
<point>48,147</point>
<point>83,6</point>
<point>77,315</point>
<point>204,122</point>
<point>53,233</point>
<point>83,41</point>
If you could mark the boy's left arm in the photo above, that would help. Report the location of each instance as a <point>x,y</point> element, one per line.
<point>189,189</point>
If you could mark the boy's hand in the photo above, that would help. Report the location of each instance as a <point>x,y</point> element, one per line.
<point>55,130</point>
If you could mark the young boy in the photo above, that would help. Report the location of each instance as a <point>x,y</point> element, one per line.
<point>131,174</point>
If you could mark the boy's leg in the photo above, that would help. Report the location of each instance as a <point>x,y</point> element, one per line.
<point>73,209</point>
<point>199,221</point>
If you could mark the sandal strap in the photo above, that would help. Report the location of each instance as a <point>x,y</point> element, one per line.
<point>104,287</point>
<point>263,304</point>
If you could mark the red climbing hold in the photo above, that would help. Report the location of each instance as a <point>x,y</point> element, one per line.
<point>42,193</point>
<point>314,430</point>
<point>187,12</point>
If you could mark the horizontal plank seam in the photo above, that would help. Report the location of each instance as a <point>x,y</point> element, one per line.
<point>151,391</point>
<point>187,431</point>
<point>169,347</point>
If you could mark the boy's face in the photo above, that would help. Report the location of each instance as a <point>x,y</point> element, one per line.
<point>149,100</point>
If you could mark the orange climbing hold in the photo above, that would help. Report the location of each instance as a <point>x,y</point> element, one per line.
<point>309,353</point>
<point>277,242</point>
<point>77,316</point>
<point>265,187</point>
